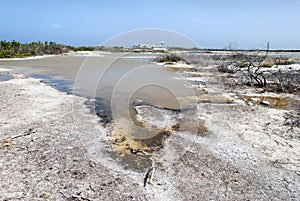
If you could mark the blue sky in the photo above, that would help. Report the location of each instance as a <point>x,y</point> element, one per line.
<point>212,24</point>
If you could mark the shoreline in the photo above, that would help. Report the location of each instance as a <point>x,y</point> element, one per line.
<point>30,57</point>
<point>175,65</point>
<point>2,70</point>
<point>71,53</point>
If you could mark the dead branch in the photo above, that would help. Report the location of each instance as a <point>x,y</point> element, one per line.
<point>29,132</point>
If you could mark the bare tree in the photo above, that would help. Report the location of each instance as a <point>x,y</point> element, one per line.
<point>249,64</point>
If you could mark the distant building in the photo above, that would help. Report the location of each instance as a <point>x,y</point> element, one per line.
<point>150,48</point>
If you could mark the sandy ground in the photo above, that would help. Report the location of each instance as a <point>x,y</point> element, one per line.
<point>42,156</point>
<point>27,58</point>
<point>53,148</point>
<point>238,159</point>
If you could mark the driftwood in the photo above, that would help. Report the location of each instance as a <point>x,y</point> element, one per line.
<point>150,172</point>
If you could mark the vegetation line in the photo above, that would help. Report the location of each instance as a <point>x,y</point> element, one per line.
<point>16,49</point>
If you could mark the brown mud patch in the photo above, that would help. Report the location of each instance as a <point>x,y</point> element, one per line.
<point>178,68</point>
<point>285,103</point>
<point>126,144</point>
<point>201,130</point>
<point>136,154</point>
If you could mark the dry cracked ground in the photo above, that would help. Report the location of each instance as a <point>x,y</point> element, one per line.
<point>53,148</point>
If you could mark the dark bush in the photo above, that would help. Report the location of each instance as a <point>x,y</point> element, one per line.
<point>168,58</point>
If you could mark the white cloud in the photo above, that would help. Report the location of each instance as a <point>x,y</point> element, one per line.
<point>56,26</point>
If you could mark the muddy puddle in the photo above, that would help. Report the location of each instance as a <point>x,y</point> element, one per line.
<point>113,82</point>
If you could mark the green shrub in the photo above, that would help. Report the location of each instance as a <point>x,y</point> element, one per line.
<point>168,58</point>
<point>285,62</point>
<point>267,64</point>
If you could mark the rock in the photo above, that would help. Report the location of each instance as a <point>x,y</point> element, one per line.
<point>257,100</point>
<point>265,102</point>
<point>240,102</point>
<point>251,103</point>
